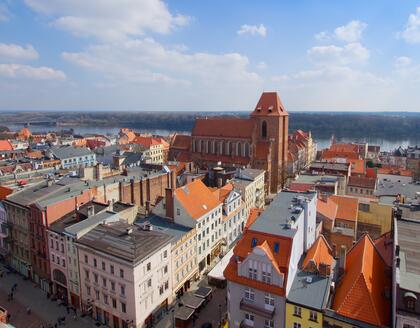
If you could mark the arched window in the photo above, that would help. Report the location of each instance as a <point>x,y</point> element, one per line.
<point>264,129</point>
<point>247,154</point>
<point>239,149</point>
<point>60,277</point>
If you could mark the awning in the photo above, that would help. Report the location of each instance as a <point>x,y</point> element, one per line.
<point>410,294</point>
<point>184,313</point>
<point>192,301</point>
<point>203,292</point>
<point>219,268</point>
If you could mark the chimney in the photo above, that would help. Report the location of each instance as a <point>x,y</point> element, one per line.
<point>91,210</point>
<point>324,270</point>
<point>169,202</point>
<point>342,260</point>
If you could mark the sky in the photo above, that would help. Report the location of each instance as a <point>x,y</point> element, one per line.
<point>216,55</point>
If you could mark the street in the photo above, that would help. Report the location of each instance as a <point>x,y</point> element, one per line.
<point>43,310</point>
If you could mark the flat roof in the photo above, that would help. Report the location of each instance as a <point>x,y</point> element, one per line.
<point>113,239</point>
<point>408,232</point>
<point>310,290</point>
<point>330,166</point>
<point>385,187</point>
<point>177,231</point>
<point>92,221</point>
<point>277,216</point>
<point>184,313</point>
<point>313,178</point>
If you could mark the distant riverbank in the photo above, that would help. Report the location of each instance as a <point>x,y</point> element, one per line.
<point>323,142</point>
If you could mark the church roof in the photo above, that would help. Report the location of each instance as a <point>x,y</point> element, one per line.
<point>223,127</point>
<point>269,105</point>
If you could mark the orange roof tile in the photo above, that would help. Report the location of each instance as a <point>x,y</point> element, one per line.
<point>34,154</point>
<point>362,182</point>
<point>181,141</point>
<point>360,293</point>
<point>223,192</point>
<point>5,145</point>
<point>320,252</point>
<point>395,171</point>
<point>384,246</point>
<point>357,166</point>
<point>280,259</point>
<point>331,154</point>
<point>301,187</point>
<point>347,207</point>
<point>344,147</point>
<point>269,104</point>
<point>328,209</point>
<point>146,141</point>
<point>196,198</point>
<point>4,192</point>
<point>254,213</point>
<point>222,127</point>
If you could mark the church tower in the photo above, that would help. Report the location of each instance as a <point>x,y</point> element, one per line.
<point>272,127</point>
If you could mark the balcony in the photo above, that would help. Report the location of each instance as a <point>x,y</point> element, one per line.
<point>246,324</point>
<point>257,309</point>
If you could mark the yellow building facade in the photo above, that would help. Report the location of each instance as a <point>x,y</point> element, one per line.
<point>374,218</point>
<point>298,316</point>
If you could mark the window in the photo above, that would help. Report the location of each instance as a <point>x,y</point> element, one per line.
<point>249,316</point>
<point>249,294</point>
<point>149,283</point>
<point>112,285</point>
<point>95,277</point>
<point>149,266</point>
<point>276,247</point>
<point>178,211</point>
<point>104,281</point>
<point>406,325</point>
<point>313,316</point>
<point>103,265</point>
<point>87,274</point>
<point>94,263</point>
<point>268,324</point>
<point>97,294</point>
<point>264,129</point>
<point>297,325</point>
<point>165,254</point>
<point>269,299</point>
<point>114,303</point>
<point>121,273</point>
<point>123,308</point>
<point>86,259</point>
<point>266,277</point>
<point>122,290</point>
<point>165,269</point>
<point>88,290</point>
<point>254,242</point>
<point>112,269</point>
<point>297,311</point>
<point>411,304</point>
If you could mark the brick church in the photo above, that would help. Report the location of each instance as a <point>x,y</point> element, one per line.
<point>259,141</point>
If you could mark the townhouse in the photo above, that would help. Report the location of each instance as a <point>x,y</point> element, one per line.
<point>265,261</point>
<point>125,274</point>
<point>72,157</point>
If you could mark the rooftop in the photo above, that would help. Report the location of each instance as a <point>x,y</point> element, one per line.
<point>70,151</point>
<point>222,127</point>
<point>330,166</point>
<point>391,188</point>
<point>114,239</point>
<point>164,225</point>
<point>408,232</point>
<point>77,229</point>
<point>347,207</point>
<point>249,174</point>
<point>280,213</point>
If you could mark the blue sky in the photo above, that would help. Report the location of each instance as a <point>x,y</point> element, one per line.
<point>209,55</point>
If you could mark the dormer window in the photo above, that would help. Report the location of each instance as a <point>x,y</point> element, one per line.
<point>410,301</point>
<point>276,247</point>
<point>254,242</point>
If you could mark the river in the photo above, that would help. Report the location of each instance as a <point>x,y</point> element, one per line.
<point>386,144</point>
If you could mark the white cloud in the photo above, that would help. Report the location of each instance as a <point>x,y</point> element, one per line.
<point>411,34</point>
<point>16,71</point>
<point>16,52</point>
<point>4,13</point>
<point>280,78</point>
<point>334,55</point>
<point>147,61</point>
<point>351,32</point>
<point>253,30</point>
<point>261,65</point>
<point>323,36</point>
<point>402,61</point>
<point>109,20</point>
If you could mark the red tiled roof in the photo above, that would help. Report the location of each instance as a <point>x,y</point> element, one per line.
<point>4,192</point>
<point>254,213</point>
<point>269,105</point>
<point>5,145</point>
<point>327,209</point>
<point>384,245</point>
<point>360,295</point>
<point>320,252</point>
<point>330,154</point>
<point>181,141</point>
<point>347,207</point>
<point>371,172</point>
<point>196,198</point>
<point>223,127</point>
<point>146,141</point>
<point>301,187</point>
<point>357,166</point>
<point>362,182</point>
<point>344,147</point>
<point>395,171</point>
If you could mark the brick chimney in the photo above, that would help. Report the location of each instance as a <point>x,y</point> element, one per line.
<point>169,202</point>
<point>342,260</point>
